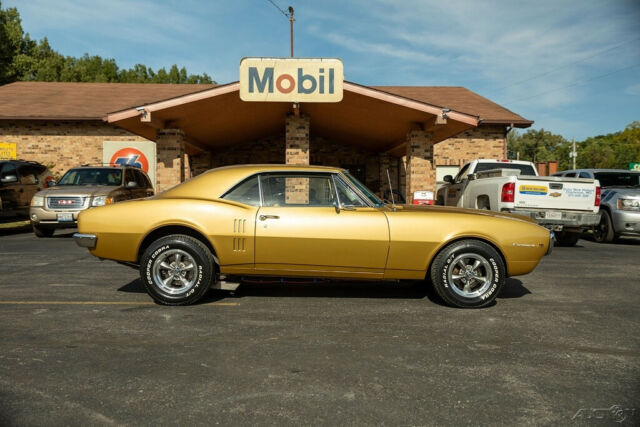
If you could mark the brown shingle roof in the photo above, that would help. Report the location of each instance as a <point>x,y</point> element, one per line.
<point>82,101</point>
<point>459,99</point>
<point>92,101</point>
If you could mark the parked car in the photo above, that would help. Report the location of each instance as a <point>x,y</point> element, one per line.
<point>568,206</point>
<point>620,206</point>
<point>82,188</point>
<point>19,181</point>
<point>306,221</point>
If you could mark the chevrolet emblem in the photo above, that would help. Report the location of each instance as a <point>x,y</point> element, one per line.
<point>555,194</point>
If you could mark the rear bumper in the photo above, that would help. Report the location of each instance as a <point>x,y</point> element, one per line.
<point>569,218</point>
<point>85,240</point>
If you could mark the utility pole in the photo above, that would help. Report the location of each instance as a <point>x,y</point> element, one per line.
<point>291,23</point>
<point>573,153</point>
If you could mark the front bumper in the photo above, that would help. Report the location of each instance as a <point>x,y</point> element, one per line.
<point>568,219</point>
<point>85,240</point>
<point>51,219</point>
<point>626,222</point>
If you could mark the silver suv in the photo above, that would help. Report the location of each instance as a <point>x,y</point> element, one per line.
<point>620,205</point>
<point>82,188</point>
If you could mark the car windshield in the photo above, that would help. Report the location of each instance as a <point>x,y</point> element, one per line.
<point>524,169</point>
<point>364,190</point>
<point>618,179</point>
<point>89,176</point>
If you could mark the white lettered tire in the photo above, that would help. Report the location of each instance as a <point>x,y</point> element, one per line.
<point>177,270</point>
<point>468,273</point>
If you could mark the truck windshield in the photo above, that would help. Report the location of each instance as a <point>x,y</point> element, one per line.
<point>618,179</point>
<point>364,190</point>
<point>524,169</point>
<point>88,176</point>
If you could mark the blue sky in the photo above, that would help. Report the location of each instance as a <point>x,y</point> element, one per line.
<point>572,66</point>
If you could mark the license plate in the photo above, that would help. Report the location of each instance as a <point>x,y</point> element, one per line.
<point>553,215</point>
<point>65,217</point>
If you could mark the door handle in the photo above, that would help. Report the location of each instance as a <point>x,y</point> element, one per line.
<point>265,217</point>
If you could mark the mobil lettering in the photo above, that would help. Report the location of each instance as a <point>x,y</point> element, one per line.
<point>291,80</point>
<point>322,81</point>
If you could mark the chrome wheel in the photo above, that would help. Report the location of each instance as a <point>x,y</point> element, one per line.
<point>174,271</point>
<point>470,275</point>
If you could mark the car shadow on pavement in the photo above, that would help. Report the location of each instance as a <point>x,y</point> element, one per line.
<point>513,288</point>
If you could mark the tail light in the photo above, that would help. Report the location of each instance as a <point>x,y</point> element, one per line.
<point>508,192</point>
<point>596,202</point>
<point>48,181</point>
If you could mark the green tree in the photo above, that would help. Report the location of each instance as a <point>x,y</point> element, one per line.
<point>24,59</point>
<point>534,145</point>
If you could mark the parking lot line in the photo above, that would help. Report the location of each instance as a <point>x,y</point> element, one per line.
<point>227,304</point>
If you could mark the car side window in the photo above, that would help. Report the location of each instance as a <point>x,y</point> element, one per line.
<point>9,173</point>
<point>140,179</point>
<point>247,192</point>
<point>27,174</point>
<point>297,190</point>
<point>571,175</point>
<point>129,176</point>
<point>348,197</point>
<point>462,174</point>
<point>584,175</point>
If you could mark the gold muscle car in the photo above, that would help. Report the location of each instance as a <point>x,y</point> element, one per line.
<point>306,221</point>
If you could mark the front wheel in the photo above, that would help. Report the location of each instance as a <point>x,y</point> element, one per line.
<point>42,231</point>
<point>468,274</point>
<point>604,232</point>
<point>177,270</point>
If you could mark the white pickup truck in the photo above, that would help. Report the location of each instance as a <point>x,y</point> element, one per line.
<point>566,205</point>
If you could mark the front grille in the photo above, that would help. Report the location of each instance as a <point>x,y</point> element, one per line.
<point>70,203</point>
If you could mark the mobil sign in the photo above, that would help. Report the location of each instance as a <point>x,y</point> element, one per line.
<point>291,79</point>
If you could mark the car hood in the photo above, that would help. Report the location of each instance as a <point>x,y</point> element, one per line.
<point>624,191</point>
<point>463,211</point>
<point>78,190</point>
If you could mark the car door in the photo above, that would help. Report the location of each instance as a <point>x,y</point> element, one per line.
<point>144,185</point>
<point>455,190</point>
<point>302,230</point>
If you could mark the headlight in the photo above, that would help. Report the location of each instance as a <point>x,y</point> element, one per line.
<point>101,201</point>
<point>629,204</point>
<point>37,201</point>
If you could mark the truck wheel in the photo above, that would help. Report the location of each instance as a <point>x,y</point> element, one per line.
<point>177,270</point>
<point>468,274</point>
<point>567,238</point>
<point>604,232</point>
<point>42,231</point>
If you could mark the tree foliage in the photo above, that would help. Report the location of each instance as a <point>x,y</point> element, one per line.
<point>23,59</point>
<point>614,150</point>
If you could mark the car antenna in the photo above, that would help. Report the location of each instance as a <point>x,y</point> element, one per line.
<point>393,202</point>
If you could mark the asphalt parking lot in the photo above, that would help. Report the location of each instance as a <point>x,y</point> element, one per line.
<point>82,344</point>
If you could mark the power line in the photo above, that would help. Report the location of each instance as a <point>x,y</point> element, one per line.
<point>566,65</point>
<point>279,8</point>
<point>575,84</point>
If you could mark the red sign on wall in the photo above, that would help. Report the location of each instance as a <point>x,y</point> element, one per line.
<point>130,156</point>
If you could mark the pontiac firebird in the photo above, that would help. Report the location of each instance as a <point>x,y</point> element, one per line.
<point>282,221</point>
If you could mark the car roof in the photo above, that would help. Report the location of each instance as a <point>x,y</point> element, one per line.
<point>594,170</point>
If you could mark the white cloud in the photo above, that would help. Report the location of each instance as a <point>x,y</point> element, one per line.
<point>633,90</point>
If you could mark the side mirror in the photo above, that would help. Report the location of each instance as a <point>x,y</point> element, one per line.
<point>472,176</point>
<point>9,178</point>
<point>132,184</point>
<point>448,178</point>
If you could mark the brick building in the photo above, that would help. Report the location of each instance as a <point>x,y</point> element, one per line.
<point>418,134</point>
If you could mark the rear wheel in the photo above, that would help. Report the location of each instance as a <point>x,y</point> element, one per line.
<point>468,273</point>
<point>42,231</point>
<point>604,232</point>
<point>177,270</point>
<point>567,238</point>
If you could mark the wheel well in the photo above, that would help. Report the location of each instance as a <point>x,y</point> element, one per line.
<point>504,260</point>
<point>483,202</point>
<point>173,229</point>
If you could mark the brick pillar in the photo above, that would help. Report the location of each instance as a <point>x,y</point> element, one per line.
<point>297,140</point>
<point>170,168</point>
<point>297,153</point>
<point>421,175</point>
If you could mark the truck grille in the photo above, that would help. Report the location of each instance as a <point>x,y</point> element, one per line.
<point>71,203</point>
